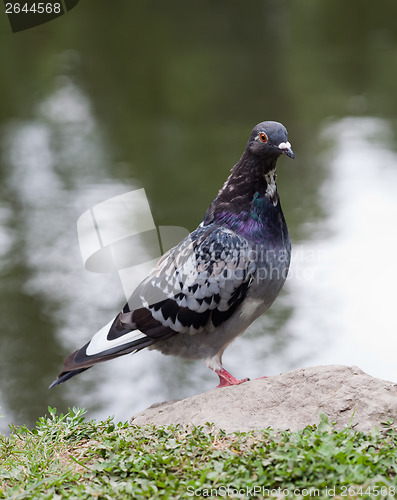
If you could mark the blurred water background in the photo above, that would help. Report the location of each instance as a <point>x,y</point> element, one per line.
<point>116,96</point>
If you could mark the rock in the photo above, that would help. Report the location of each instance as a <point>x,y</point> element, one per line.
<point>288,401</point>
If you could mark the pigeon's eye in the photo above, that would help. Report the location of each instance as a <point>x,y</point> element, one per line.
<point>263,137</point>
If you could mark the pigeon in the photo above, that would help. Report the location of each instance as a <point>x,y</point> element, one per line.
<point>207,290</point>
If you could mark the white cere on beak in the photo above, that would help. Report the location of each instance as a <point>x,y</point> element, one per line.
<point>284,145</point>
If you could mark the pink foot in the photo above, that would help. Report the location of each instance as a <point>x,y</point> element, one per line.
<point>260,378</point>
<point>226,379</point>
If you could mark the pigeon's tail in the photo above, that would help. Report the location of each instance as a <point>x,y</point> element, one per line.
<point>112,341</point>
<point>64,376</point>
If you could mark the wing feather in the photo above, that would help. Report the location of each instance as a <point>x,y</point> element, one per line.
<point>196,286</point>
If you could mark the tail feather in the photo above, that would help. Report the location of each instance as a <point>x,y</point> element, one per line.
<point>64,376</point>
<point>79,361</point>
<point>102,347</point>
<point>128,333</point>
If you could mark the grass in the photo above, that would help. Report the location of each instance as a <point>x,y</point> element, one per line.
<point>68,457</point>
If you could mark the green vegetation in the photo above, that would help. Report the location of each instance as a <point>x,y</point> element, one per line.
<point>68,457</point>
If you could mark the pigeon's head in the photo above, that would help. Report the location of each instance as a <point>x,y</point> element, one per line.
<point>269,139</point>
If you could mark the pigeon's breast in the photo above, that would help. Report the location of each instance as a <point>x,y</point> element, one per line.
<point>265,229</point>
<point>271,273</point>
<point>271,250</point>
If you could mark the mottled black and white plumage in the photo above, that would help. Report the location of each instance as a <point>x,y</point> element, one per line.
<point>207,290</point>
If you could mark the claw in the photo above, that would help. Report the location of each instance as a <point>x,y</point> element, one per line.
<point>226,379</point>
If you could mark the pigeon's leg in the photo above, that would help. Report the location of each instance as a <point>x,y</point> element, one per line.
<point>225,378</point>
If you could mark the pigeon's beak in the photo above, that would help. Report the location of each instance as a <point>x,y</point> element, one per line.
<point>286,149</point>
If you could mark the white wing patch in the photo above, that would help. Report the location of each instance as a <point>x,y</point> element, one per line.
<point>100,343</point>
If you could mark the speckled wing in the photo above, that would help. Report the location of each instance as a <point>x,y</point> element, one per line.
<point>196,285</point>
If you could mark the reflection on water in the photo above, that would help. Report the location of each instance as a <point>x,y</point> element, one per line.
<point>347,307</point>
<point>105,109</point>
<point>54,162</point>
